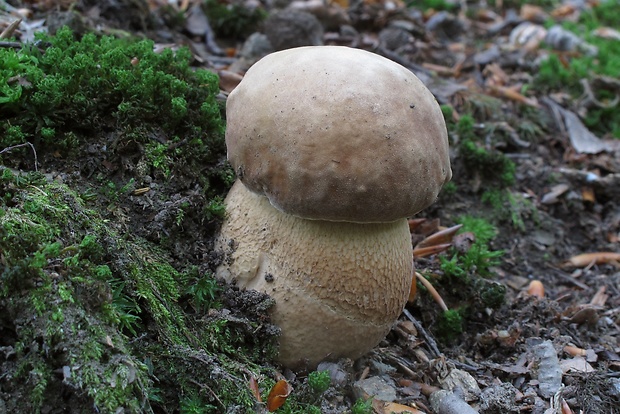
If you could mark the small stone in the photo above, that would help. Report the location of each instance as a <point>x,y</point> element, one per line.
<point>287,29</point>
<point>463,381</point>
<point>375,387</point>
<point>499,399</point>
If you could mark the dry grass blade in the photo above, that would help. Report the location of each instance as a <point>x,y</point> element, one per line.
<point>432,291</point>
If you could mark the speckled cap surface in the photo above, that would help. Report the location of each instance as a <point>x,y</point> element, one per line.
<point>336,133</point>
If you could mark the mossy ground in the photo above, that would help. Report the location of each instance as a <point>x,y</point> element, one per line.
<point>107,301</point>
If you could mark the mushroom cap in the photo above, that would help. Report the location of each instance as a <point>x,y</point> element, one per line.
<point>338,287</point>
<point>339,134</point>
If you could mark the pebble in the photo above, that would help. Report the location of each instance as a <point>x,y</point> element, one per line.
<point>376,387</point>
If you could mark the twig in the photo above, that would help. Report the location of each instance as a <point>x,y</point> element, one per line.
<point>427,337</point>
<point>36,162</point>
<point>203,386</point>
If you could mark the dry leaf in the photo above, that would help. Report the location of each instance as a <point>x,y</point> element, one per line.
<point>412,290</point>
<point>278,395</point>
<point>553,194</point>
<point>607,33</point>
<point>415,223</point>
<point>574,351</point>
<point>582,140</point>
<point>229,80</point>
<point>512,94</point>
<point>441,237</point>
<point>395,408</point>
<point>342,3</point>
<point>576,364</point>
<point>536,288</point>
<point>253,384</point>
<point>585,259</point>
<point>533,13</point>
<point>600,298</point>
<point>587,193</point>
<point>564,11</point>
<point>565,408</point>
<point>527,36</point>
<point>430,250</point>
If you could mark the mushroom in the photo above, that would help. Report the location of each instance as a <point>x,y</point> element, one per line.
<point>334,148</point>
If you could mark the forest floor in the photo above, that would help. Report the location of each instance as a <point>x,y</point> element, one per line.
<point>530,94</point>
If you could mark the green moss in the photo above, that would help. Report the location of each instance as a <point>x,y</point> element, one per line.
<point>433,4</point>
<point>511,207</point>
<point>319,381</point>
<point>233,20</point>
<point>568,73</point>
<point>105,305</point>
<point>493,166</point>
<point>449,325</point>
<point>362,406</point>
<point>492,294</point>
<point>77,88</point>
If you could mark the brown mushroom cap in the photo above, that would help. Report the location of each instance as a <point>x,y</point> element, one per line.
<point>336,133</point>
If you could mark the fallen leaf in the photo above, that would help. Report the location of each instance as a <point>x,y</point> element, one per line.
<point>229,80</point>
<point>278,395</point>
<point>607,33</point>
<point>441,237</point>
<point>600,298</point>
<point>412,290</point>
<point>576,364</point>
<point>553,194</point>
<point>587,193</point>
<point>253,384</point>
<point>430,250</point>
<point>415,223</point>
<point>395,408</point>
<point>536,288</point>
<point>585,259</point>
<point>574,351</point>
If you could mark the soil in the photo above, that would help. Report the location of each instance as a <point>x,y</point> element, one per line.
<point>563,202</point>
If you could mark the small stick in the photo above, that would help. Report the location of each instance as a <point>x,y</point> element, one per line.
<point>23,145</point>
<point>427,337</point>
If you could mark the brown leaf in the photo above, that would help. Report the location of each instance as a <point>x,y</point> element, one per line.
<point>430,250</point>
<point>536,288</point>
<point>395,408</point>
<point>278,395</point>
<point>585,259</point>
<point>554,193</point>
<point>600,298</point>
<point>415,223</point>
<point>441,237</point>
<point>253,384</point>
<point>412,290</point>
<point>229,80</point>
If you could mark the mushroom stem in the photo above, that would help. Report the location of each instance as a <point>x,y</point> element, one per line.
<point>338,286</point>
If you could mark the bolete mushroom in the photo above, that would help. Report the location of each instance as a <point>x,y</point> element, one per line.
<point>334,148</point>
